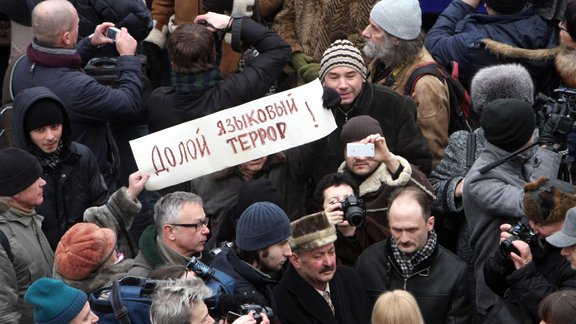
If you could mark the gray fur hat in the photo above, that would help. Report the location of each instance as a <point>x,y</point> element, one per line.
<point>504,81</point>
<point>311,232</point>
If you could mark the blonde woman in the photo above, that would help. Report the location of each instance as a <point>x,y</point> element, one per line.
<point>396,307</point>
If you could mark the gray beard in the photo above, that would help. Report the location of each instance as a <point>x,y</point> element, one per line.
<point>384,54</point>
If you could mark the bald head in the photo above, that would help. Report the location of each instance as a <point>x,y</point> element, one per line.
<point>51,19</point>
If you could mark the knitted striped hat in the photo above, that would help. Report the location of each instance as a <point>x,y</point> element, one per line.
<point>341,52</point>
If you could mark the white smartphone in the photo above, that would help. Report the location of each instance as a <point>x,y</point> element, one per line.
<point>112,33</point>
<point>359,149</point>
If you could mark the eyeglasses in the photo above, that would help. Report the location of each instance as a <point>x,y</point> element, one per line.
<point>200,224</point>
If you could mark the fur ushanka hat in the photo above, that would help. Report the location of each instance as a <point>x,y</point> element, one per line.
<point>546,201</point>
<point>312,231</point>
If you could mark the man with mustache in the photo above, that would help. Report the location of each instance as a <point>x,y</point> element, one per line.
<point>313,289</point>
<point>395,40</point>
<point>413,260</point>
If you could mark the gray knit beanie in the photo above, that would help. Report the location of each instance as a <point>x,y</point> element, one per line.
<point>501,82</point>
<point>400,18</point>
<point>261,225</point>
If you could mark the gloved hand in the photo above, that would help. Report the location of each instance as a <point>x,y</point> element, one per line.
<point>546,135</point>
<point>299,59</point>
<point>309,72</point>
<point>330,98</point>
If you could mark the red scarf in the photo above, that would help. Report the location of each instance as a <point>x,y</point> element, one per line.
<point>53,59</point>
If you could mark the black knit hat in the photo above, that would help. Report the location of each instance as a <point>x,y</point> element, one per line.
<point>508,123</point>
<point>18,170</point>
<point>506,7</point>
<point>357,128</point>
<point>43,112</point>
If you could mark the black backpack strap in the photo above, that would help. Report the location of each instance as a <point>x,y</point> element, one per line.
<point>470,150</point>
<point>120,310</point>
<point>6,245</point>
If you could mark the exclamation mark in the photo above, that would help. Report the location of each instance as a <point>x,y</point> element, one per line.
<point>310,111</point>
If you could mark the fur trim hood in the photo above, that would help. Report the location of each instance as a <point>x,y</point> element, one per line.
<point>381,177</point>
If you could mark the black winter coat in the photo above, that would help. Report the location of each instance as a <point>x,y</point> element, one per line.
<point>439,283</point>
<point>169,107</point>
<point>74,185</point>
<point>548,272</point>
<point>89,104</point>
<point>397,117</point>
<point>300,303</point>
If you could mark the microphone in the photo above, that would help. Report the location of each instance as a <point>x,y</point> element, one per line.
<point>330,98</point>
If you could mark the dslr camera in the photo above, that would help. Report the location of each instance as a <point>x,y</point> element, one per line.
<point>219,283</point>
<point>354,210</point>
<point>519,231</point>
<point>247,308</point>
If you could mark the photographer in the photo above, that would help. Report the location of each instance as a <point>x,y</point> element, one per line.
<point>182,301</point>
<point>377,175</point>
<point>526,268</point>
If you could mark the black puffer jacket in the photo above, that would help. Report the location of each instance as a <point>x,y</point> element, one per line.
<point>132,14</point>
<point>526,287</point>
<point>18,10</point>
<point>74,185</point>
<point>439,283</point>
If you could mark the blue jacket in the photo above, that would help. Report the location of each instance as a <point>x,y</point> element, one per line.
<point>74,185</point>
<point>458,32</point>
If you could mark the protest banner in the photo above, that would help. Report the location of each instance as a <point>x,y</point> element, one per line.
<point>232,136</point>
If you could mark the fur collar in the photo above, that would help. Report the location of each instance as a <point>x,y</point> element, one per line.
<point>566,66</point>
<point>101,278</point>
<point>382,177</point>
<point>508,51</point>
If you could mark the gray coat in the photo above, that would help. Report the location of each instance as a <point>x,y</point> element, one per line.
<point>33,259</point>
<point>452,169</point>
<point>494,198</point>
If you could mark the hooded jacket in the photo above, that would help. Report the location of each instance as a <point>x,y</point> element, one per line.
<point>74,185</point>
<point>458,34</point>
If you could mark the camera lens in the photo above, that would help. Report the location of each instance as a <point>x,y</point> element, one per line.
<point>506,246</point>
<point>355,216</point>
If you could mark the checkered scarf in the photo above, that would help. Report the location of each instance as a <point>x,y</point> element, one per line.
<point>408,263</point>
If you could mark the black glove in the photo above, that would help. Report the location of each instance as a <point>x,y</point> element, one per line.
<point>547,131</point>
<point>218,6</point>
<point>330,98</point>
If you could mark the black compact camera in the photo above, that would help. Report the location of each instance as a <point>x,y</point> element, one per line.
<point>519,231</point>
<point>247,308</point>
<point>354,210</point>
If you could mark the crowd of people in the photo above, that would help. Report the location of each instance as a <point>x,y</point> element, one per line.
<point>476,225</point>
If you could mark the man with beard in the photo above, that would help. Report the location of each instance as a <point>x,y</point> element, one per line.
<point>413,260</point>
<point>258,254</point>
<point>395,41</point>
<point>313,289</point>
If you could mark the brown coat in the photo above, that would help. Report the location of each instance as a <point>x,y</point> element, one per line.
<point>432,101</point>
<point>307,24</point>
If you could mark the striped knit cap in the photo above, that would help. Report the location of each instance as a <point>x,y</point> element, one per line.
<point>341,53</point>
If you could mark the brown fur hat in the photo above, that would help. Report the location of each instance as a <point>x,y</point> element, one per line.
<point>312,231</point>
<point>546,201</point>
